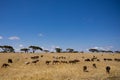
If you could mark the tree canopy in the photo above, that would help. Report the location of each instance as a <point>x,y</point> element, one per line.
<point>70,50</point>
<point>58,50</point>
<point>34,48</point>
<point>7,48</point>
<point>25,50</point>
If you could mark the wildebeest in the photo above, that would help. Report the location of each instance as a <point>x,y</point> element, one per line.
<point>60,57</point>
<point>94,59</point>
<point>64,62</point>
<point>116,59</point>
<point>10,61</point>
<point>41,55</point>
<point>108,69</point>
<point>98,59</point>
<point>5,65</point>
<point>35,61</point>
<point>35,57</point>
<point>74,61</point>
<point>47,62</point>
<point>87,59</point>
<point>55,62</point>
<point>94,65</point>
<point>107,59</point>
<point>85,69</point>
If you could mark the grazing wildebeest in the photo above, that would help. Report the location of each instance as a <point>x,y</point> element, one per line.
<point>5,65</point>
<point>55,62</point>
<point>10,61</point>
<point>116,59</point>
<point>47,62</point>
<point>41,55</point>
<point>76,60</point>
<point>60,57</point>
<point>108,69</point>
<point>35,61</point>
<point>64,62</point>
<point>85,69</point>
<point>98,59</point>
<point>94,65</point>
<point>72,62</point>
<point>87,59</point>
<point>35,57</point>
<point>107,59</point>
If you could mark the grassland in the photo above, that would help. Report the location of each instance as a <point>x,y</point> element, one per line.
<point>18,70</point>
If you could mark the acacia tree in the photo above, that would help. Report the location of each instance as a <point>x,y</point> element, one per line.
<point>70,50</point>
<point>25,50</point>
<point>58,50</point>
<point>93,50</point>
<point>34,48</point>
<point>7,48</point>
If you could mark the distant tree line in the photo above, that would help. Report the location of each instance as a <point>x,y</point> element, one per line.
<point>103,51</point>
<point>7,49</point>
<point>10,49</point>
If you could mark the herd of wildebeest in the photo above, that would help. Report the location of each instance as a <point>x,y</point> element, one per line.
<point>62,60</point>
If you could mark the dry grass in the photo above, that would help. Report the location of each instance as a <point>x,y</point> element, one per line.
<point>40,71</point>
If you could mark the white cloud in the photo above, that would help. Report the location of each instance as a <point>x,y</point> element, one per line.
<point>103,48</point>
<point>20,45</point>
<point>40,34</point>
<point>14,38</point>
<point>52,48</point>
<point>17,50</point>
<point>1,37</point>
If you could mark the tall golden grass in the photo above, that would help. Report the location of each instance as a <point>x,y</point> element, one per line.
<point>18,70</point>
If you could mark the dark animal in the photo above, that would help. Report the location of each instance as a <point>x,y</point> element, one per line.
<point>60,57</point>
<point>35,61</point>
<point>10,61</point>
<point>107,59</point>
<point>108,69</point>
<point>94,65</point>
<point>35,57</point>
<point>85,69</point>
<point>116,59</point>
<point>95,59</point>
<point>55,62</point>
<point>74,61</point>
<point>41,55</point>
<point>64,62</point>
<point>87,59</point>
<point>98,59</point>
<point>5,65</point>
<point>48,62</point>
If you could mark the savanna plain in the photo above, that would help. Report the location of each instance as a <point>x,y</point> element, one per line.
<point>59,66</point>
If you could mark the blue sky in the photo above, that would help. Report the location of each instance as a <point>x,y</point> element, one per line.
<point>78,24</point>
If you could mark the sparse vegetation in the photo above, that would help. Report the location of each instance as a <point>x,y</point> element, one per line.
<point>62,66</point>
<point>34,48</point>
<point>25,50</point>
<point>7,49</point>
